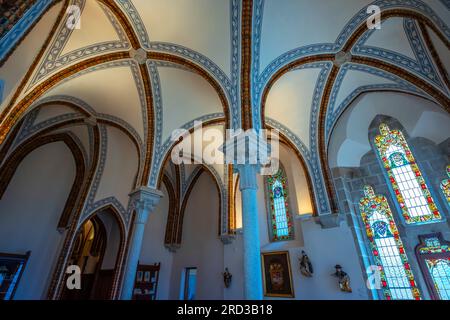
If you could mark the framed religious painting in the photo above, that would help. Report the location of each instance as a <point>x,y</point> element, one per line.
<point>11,269</point>
<point>277,275</point>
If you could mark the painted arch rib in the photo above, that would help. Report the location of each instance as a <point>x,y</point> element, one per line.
<point>47,40</point>
<point>434,54</point>
<point>391,13</point>
<point>12,163</point>
<point>150,124</point>
<point>33,65</point>
<point>169,151</point>
<point>246,57</point>
<point>85,113</point>
<point>301,158</point>
<point>123,21</point>
<point>441,98</point>
<point>172,218</point>
<point>10,116</point>
<point>201,72</point>
<point>285,69</point>
<point>55,288</point>
<point>12,113</point>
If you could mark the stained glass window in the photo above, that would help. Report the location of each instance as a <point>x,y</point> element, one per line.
<point>404,174</point>
<point>397,280</point>
<point>279,216</point>
<point>434,258</point>
<point>445,186</point>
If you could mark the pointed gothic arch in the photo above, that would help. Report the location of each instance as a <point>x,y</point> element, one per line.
<point>111,211</point>
<point>11,164</point>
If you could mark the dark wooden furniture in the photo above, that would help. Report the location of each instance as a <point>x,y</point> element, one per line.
<point>146,282</point>
<point>11,270</point>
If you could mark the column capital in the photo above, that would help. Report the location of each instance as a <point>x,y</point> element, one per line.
<point>247,176</point>
<point>227,238</point>
<point>329,220</point>
<point>173,247</point>
<point>144,200</point>
<point>246,147</point>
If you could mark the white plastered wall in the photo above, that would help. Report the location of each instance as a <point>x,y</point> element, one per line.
<point>417,115</point>
<point>120,168</point>
<point>201,246</point>
<point>30,210</point>
<point>153,250</point>
<point>112,240</point>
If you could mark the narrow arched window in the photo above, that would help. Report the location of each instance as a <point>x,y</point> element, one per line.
<point>445,186</point>
<point>433,254</point>
<point>405,177</point>
<point>280,219</point>
<point>397,280</point>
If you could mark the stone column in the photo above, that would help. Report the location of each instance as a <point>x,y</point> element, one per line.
<point>252,254</point>
<point>247,152</point>
<point>144,201</point>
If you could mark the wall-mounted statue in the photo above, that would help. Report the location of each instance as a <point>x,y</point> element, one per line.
<point>306,267</point>
<point>344,279</point>
<point>227,278</point>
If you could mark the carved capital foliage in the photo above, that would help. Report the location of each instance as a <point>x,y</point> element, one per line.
<point>329,220</point>
<point>144,200</point>
<point>247,176</point>
<point>227,238</point>
<point>246,147</point>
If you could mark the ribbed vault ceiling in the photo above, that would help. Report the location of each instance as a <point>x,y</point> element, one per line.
<point>154,66</point>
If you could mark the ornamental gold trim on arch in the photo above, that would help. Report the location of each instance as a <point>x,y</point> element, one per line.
<point>440,97</point>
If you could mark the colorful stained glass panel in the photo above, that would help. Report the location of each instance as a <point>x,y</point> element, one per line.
<point>387,248</point>
<point>434,259</point>
<point>280,218</point>
<point>411,191</point>
<point>440,272</point>
<point>445,186</point>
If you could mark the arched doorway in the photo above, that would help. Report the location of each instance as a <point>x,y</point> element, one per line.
<point>38,183</point>
<point>96,253</point>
